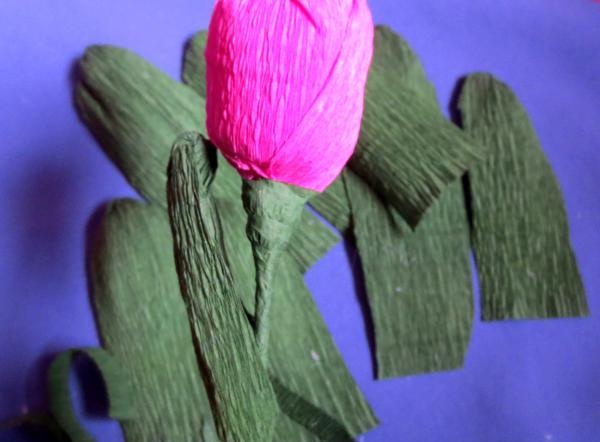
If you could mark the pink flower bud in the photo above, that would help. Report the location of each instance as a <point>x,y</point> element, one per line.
<point>285,86</point>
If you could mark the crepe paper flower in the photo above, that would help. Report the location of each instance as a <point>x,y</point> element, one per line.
<point>285,86</point>
<point>285,93</point>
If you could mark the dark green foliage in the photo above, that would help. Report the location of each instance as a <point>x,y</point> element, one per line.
<point>418,282</point>
<point>302,353</point>
<point>143,324</point>
<point>242,400</point>
<point>333,205</point>
<point>194,66</point>
<point>408,152</point>
<point>135,112</point>
<point>520,231</point>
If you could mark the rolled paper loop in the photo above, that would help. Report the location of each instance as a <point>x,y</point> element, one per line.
<point>274,211</point>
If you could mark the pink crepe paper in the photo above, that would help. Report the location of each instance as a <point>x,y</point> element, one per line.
<point>285,86</point>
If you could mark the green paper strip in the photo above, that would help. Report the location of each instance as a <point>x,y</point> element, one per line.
<point>135,112</point>
<point>194,66</point>
<point>143,324</point>
<point>333,205</point>
<point>408,152</point>
<point>60,403</point>
<point>242,399</point>
<point>298,332</point>
<point>289,430</point>
<point>418,282</point>
<point>526,266</point>
<point>302,353</point>
<point>312,418</point>
<point>159,360</point>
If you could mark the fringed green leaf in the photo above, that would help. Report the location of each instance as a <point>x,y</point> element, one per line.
<point>408,152</point>
<point>135,112</point>
<point>242,399</point>
<point>526,266</point>
<point>118,391</point>
<point>418,282</point>
<point>143,324</point>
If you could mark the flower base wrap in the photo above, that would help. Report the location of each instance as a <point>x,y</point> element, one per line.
<point>274,211</point>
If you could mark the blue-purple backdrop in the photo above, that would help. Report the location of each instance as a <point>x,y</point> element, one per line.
<point>523,381</point>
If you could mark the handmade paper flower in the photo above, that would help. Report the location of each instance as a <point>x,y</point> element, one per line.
<point>285,86</point>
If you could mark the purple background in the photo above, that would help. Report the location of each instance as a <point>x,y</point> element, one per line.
<point>523,381</point>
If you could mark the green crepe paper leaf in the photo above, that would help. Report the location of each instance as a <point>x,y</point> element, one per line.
<point>333,205</point>
<point>135,112</point>
<point>323,426</point>
<point>289,430</point>
<point>143,324</point>
<point>408,152</point>
<point>302,353</point>
<point>60,403</point>
<point>418,282</point>
<point>242,398</point>
<point>526,266</point>
<point>194,64</point>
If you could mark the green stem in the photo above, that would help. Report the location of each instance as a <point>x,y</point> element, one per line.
<point>274,210</point>
<point>265,269</point>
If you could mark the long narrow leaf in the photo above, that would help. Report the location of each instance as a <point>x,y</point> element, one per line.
<point>242,399</point>
<point>143,324</point>
<point>408,152</point>
<point>520,231</point>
